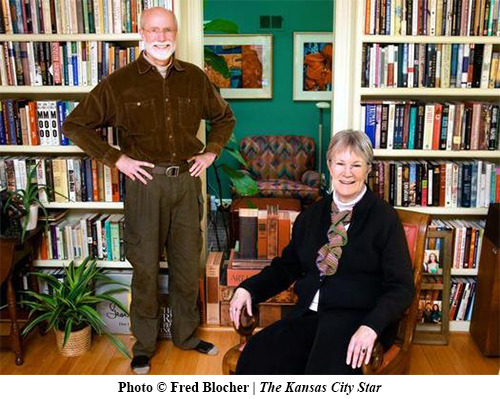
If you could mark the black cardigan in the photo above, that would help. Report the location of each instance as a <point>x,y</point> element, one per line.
<point>374,277</point>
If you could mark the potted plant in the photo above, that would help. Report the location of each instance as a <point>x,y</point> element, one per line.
<point>70,308</point>
<point>25,203</point>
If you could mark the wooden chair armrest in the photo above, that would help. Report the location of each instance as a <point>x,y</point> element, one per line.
<point>247,322</point>
<point>375,361</point>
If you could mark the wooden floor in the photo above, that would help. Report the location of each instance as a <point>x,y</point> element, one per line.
<point>461,356</point>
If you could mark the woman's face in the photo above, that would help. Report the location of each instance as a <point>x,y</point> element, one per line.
<point>432,258</point>
<point>348,171</point>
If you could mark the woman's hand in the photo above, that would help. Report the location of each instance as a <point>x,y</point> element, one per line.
<point>361,346</point>
<point>241,298</point>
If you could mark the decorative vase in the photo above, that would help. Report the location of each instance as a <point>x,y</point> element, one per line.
<point>33,217</point>
<point>77,344</point>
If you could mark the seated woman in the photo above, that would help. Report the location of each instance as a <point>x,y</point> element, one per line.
<point>349,261</point>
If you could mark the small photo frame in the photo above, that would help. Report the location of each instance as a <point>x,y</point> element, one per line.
<point>312,66</point>
<point>432,263</point>
<point>250,61</point>
<point>431,312</point>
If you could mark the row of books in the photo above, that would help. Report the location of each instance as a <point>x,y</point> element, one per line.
<point>430,65</point>
<point>449,184</point>
<point>71,179</point>
<point>432,17</point>
<point>99,236</point>
<point>82,63</point>
<point>264,233</point>
<point>219,290</point>
<point>462,294</point>
<point>74,16</point>
<point>26,122</point>
<point>451,126</point>
<point>467,241</point>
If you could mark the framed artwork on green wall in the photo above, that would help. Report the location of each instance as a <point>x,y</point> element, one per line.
<point>312,66</point>
<point>250,62</point>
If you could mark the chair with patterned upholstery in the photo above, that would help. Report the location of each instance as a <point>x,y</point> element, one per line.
<point>282,166</point>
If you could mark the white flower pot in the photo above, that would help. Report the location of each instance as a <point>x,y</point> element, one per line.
<point>33,217</point>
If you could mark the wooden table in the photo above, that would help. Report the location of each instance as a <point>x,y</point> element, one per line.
<point>12,252</point>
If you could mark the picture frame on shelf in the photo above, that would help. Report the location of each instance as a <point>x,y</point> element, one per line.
<point>433,324</point>
<point>312,66</point>
<point>250,62</point>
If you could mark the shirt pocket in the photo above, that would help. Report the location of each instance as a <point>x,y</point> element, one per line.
<point>141,117</point>
<point>189,113</point>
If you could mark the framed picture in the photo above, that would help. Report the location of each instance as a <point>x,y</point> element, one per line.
<point>431,262</point>
<point>250,62</point>
<point>433,321</point>
<point>312,66</point>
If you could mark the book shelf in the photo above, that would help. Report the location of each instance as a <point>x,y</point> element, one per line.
<point>358,27</point>
<point>74,92</point>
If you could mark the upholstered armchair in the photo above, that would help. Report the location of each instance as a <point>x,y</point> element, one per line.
<point>282,166</point>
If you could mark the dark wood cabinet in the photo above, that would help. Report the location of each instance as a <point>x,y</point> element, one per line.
<point>485,322</point>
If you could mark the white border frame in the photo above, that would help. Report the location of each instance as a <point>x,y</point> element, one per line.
<point>299,38</point>
<point>265,40</point>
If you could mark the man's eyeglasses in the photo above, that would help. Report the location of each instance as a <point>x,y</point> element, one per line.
<point>157,31</point>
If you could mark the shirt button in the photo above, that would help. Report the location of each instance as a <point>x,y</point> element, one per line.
<point>139,104</point>
<point>173,154</point>
<point>168,118</point>
<point>166,100</point>
<point>170,137</point>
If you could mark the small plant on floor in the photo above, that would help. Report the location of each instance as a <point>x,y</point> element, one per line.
<point>71,304</point>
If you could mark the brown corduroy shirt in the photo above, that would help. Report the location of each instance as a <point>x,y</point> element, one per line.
<point>157,118</point>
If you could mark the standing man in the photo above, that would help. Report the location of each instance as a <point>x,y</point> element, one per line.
<point>157,103</point>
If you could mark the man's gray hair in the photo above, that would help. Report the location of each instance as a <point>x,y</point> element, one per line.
<point>354,140</point>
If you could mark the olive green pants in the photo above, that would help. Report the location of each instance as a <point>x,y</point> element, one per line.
<point>165,212</point>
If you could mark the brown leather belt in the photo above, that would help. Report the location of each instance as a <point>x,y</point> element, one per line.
<point>171,170</point>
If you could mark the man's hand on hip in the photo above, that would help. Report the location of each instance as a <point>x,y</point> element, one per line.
<point>134,169</point>
<point>200,163</point>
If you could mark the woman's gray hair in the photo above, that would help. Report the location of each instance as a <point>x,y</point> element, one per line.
<point>354,140</point>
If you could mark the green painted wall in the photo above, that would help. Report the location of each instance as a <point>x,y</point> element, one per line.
<point>279,115</point>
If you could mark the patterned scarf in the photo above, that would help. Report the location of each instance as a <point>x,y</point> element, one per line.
<point>330,253</point>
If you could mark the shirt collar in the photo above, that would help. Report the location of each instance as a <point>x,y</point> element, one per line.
<point>348,205</point>
<point>144,65</point>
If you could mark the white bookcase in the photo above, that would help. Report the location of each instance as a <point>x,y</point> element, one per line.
<point>348,95</point>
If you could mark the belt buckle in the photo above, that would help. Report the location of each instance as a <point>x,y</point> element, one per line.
<point>172,171</point>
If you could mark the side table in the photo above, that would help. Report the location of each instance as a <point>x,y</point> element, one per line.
<point>12,252</point>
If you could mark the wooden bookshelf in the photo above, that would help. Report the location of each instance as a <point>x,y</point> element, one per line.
<point>430,39</point>
<point>84,205</point>
<point>40,149</point>
<point>438,210</point>
<point>384,153</point>
<point>429,92</point>
<point>48,263</point>
<point>105,37</point>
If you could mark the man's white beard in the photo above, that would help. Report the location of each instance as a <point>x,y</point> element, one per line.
<point>162,54</point>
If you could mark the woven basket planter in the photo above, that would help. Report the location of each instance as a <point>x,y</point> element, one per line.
<point>78,342</point>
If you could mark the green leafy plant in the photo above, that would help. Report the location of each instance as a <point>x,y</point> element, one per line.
<point>20,201</point>
<point>71,306</point>
<point>217,62</point>
<point>243,183</point>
